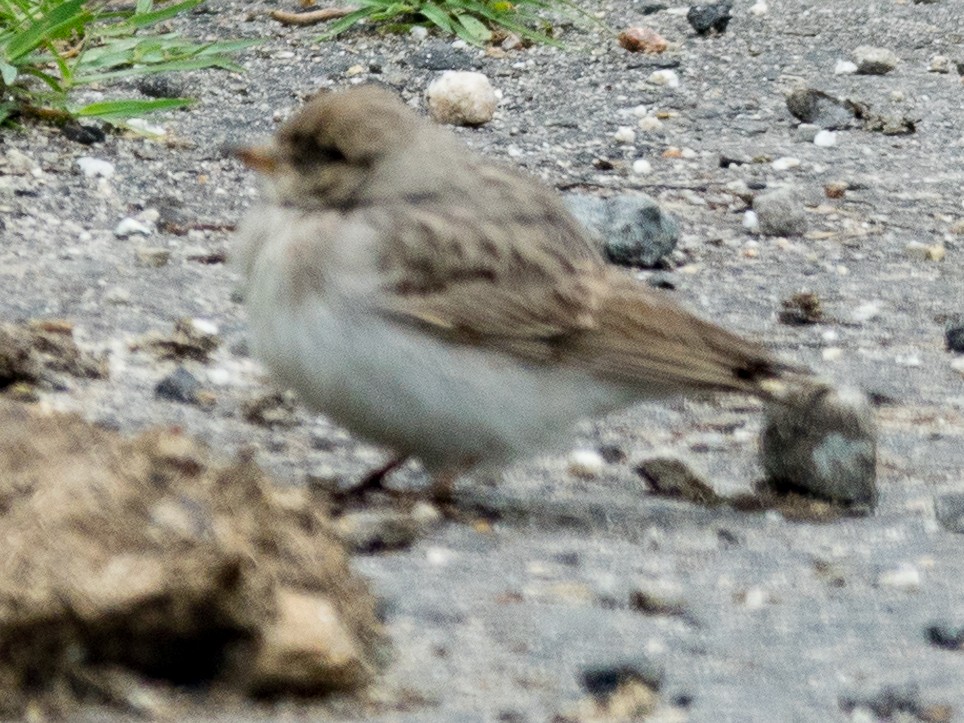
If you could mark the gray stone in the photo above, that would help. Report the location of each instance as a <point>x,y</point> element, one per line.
<point>949,510</point>
<point>823,441</point>
<point>633,230</point>
<point>874,61</point>
<point>821,109</point>
<point>704,18</point>
<point>954,334</point>
<point>178,386</point>
<point>780,213</point>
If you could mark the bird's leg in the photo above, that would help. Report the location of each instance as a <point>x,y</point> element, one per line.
<point>374,481</point>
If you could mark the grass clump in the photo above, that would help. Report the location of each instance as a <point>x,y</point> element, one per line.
<point>475,21</point>
<point>49,48</point>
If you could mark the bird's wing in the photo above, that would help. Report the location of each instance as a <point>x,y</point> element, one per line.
<point>552,300</point>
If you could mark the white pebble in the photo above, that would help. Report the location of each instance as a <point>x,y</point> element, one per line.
<point>117,295</point>
<point>95,167</point>
<point>640,111</point>
<point>418,33</point>
<point>688,153</point>
<point>284,55</point>
<point>439,556</point>
<point>642,167</point>
<point>759,8</point>
<point>825,139</point>
<point>129,227</point>
<point>958,365</point>
<point>625,135</point>
<point>668,78</point>
<point>751,221</point>
<point>650,123</point>
<point>205,326</point>
<point>906,577</point>
<point>785,163</point>
<point>755,598</point>
<point>865,312</point>
<point>844,67</point>
<point>461,97</point>
<point>586,463</point>
<point>831,353</point>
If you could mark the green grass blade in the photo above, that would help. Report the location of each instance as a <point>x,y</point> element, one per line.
<point>120,110</point>
<point>68,17</point>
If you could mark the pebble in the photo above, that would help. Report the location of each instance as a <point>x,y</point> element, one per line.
<point>153,256</point>
<point>925,252</point>
<point>751,222</point>
<point>603,680</point>
<point>866,311</point>
<point>649,123</point>
<point>657,597</point>
<point>759,8</point>
<point>642,167</point>
<point>178,386</point>
<point>95,167</point>
<point>631,229</point>
<point>785,163</point>
<point>665,77</point>
<point>958,365</point>
<point>954,334</point>
<point>586,463</point>
<point>642,40</point>
<point>781,213</point>
<point>814,106</point>
<point>130,226</point>
<point>905,577</point>
<point>704,18</point>
<point>822,440</point>
<point>939,64</point>
<point>117,295</point>
<point>806,132</point>
<point>949,510</point>
<point>460,97</point>
<point>418,33</point>
<point>825,139</point>
<point>625,135</point>
<point>671,477</point>
<point>945,634</point>
<point>874,61</point>
<point>844,67</point>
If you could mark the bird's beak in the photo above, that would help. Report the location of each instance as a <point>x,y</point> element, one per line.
<point>263,159</point>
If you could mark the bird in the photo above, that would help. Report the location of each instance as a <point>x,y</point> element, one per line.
<point>446,306</point>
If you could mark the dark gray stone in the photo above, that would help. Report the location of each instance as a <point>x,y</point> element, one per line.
<point>704,18</point>
<point>633,229</point>
<point>179,386</point>
<point>954,334</point>
<point>949,510</point>
<point>821,109</point>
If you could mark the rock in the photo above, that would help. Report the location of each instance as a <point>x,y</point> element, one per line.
<point>95,167</point>
<point>751,222</point>
<point>802,308</point>
<point>40,352</point>
<point>781,213</point>
<point>190,339</point>
<point>825,139</point>
<point>657,597</point>
<point>631,229</point>
<point>806,132</point>
<point>905,577</point>
<point>642,40</point>
<point>307,648</point>
<point>153,256</point>
<point>823,441</point>
<point>642,167</point>
<point>83,133</point>
<point>954,334</point>
<point>162,85</point>
<point>925,252</point>
<point>625,135</point>
<point>620,691</point>
<point>939,64</point>
<point>946,635</point>
<point>844,67</point>
<point>586,463</point>
<point>821,109</point>
<point>462,98</point>
<point>874,61</point>
<point>704,18</point>
<point>672,477</point>
<point>178,386</point>
<point>836,189</point>
<point>130,226</point>
<point>271,409</point>
<point>664,77</point>
<point>371,531</point>
<point>896,702</point>
<point>785,163</point>
<point>949,510</point>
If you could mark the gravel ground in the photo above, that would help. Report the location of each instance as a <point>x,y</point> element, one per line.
<point>498,615</point>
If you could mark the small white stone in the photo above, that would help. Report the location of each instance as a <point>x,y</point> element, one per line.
<point>129,227</point>
<point>95,167</point>
<point>642,167</point>
<point>866,312</point>
<point>460,97</point>
<point>844,67</point>
<point>831,353</point>
<point>785,163</point>
<point>830,336</point>
<point>940,64</point>
<point>650,123</point>
<point>759,8</point>
<point>439,556</point>
<point>751,221</point>
<point>755,598</point>
<point>205,326</point>
<point>587,463</point>
<point>908,360</point>
<point>667,78</point>
<point>117,295</point>
<point>958,365</point>
<point>688,153</point>
<point>905,577</point>
<point>825,139</point>
<point>284,55</point>
<point>625,135</point>
<point>640,111</point>
<point>418,33</point>
<point>149,215</point>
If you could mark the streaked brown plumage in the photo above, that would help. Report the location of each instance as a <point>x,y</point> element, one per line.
<point>466,277</point>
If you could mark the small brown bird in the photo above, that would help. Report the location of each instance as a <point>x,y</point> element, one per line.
<point>447,307</point>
